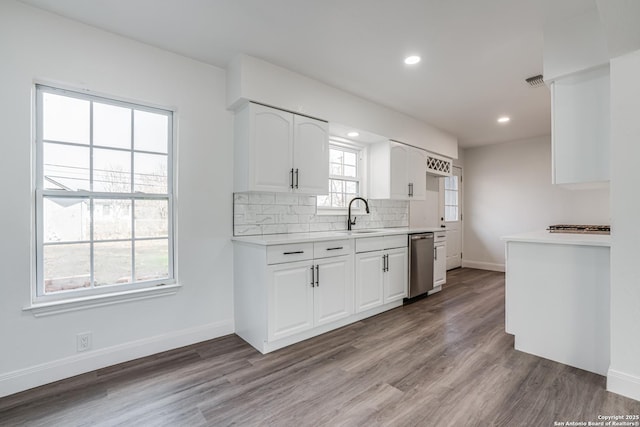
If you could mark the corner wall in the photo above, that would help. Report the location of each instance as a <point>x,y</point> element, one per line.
<point>624,372</point>
<point>39,45</point>
<point>508,190</point>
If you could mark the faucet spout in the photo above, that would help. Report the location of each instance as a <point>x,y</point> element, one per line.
<point>366,206</point>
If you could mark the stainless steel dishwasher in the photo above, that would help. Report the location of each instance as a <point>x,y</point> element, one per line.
<point>420,263</point>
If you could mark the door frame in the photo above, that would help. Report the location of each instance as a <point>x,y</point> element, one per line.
<point>460,207</point>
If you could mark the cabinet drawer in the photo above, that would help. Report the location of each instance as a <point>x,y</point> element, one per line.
<point>397,241</point>
<point>277,254</point>
<point>369,244</point>
<point>332,248</point>
<point>439,237</point>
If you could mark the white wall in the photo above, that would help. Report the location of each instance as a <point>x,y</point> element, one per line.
<point>37,45</point>
<point>507,190</point>
<point>624,373</point>
<point>260,81</point>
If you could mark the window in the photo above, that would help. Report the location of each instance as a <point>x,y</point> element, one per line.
<point>103,195</point>
<point>344,177</point>
<point>451,198</point>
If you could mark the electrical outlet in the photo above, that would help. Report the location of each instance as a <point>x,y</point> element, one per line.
<point>83,341</point>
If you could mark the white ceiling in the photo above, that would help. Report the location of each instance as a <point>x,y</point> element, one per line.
<point>475,53</point>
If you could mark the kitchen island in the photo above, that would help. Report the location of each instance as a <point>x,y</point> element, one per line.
<point>557,297</point>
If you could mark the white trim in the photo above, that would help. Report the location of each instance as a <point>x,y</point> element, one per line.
<point>34,376</point>
<point>100,300</point>
<point>624,384</point>
<point>491,266</point>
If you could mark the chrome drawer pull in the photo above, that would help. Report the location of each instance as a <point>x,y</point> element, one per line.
<point>293,253</point>
<point>335,249</point>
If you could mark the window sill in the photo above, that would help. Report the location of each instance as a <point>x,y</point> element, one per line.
<point>64,306</point>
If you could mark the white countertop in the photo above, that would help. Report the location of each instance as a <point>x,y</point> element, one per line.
<point>277,239</point>
<point>560,238</point>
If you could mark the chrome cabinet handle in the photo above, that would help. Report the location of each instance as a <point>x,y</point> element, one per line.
<point>291,178</point>
<point>317,275</point>
<point>336,248</point>
<point>411,189</point>
<point>435,254</point>
<point>292,253</point>
<point>296,178</point>
<point>312,276</point>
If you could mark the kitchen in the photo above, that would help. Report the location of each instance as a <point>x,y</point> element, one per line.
<point>495,202</point>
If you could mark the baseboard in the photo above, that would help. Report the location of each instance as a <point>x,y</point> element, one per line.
<point>623,384</point>
<point>34,376</point>
<point>483,265</point>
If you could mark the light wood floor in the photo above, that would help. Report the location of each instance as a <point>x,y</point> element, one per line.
<point>442,361</point>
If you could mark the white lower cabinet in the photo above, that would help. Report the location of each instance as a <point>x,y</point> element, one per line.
<point>381,275</point>
<point>303,294</point>
<point>439,264</point>
<point>285,293</point>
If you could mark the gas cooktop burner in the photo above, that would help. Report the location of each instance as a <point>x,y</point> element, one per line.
<point>583,229</point>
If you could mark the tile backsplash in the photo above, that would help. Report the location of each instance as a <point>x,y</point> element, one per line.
<point>272,213</point>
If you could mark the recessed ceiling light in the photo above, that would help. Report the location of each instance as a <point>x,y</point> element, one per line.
<point>503,119</point>
<point>412,60</point>
<point>353,134</point>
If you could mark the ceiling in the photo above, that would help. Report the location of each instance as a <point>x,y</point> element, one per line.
<point>475,54</point>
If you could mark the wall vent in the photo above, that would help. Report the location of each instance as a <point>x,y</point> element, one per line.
<point>535,81</point>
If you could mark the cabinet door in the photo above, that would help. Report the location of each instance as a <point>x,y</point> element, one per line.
<point>333,295</point>
<point>580,127</point>
<point>271,137</point>
<point>399,161</point>
<point>369,280</point>
<point>396,278</point>
<point>311,155</point>
<point>418,174</point>
<point>440,265</point>
<point>290,299</point>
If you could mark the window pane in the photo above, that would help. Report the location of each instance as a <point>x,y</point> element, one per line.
<point>350,171</point>
<point>111,126</point>
<point>151,132</point>
<point>335,169</point>
<point>66,219</point>
<point>451,197</point>
<point>150,173</point>
<point>65,167</point>
<point>152,259</point>
<point>324,201</point>
<point>111,170</point>
<point>335,156</point>
<point>152,218</point>
<point>65,119</point>
<point>336,186</point>
<point>450,213</point>
<point>112,263</point>
<point>351,187</point>
<point>111,219</point>
<point>66,267</point>
<point>350,158</point>
<point>451,182</point>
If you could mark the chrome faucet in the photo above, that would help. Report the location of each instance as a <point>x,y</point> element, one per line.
<point>366,206</point>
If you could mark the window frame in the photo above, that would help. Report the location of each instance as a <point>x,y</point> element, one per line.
<point>457,192</point>
<point>360,152</point>
<point>39,295</point>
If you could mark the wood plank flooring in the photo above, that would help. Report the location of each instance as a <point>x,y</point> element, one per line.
<point>441,361</point>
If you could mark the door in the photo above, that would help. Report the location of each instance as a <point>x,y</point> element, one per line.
<point>418,174</point>
<point>333,297</point>
<point>452,194</point>
<point>311,155</point>
<point>396,278</point>
<point>290,305</point>
<point>272,148</point>
<point>399,176</point>
<point>369,280</point>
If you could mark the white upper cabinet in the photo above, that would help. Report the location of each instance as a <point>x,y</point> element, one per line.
<point>311,155</point>
<point>581,127</point>
<point>280,151</point>
<point>397,171</point>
